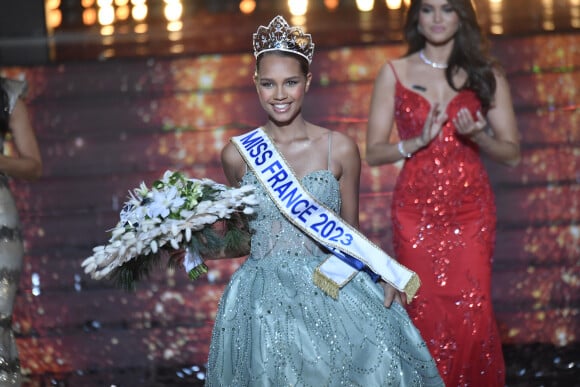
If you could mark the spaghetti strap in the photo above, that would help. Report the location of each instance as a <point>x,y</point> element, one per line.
<point>329,149</point>
<point>394,71</point>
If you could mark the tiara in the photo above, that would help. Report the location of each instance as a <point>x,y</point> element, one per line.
<point>279,36</point>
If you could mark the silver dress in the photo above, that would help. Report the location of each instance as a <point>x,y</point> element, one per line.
<point>11,259</point>
<point>274,327</point>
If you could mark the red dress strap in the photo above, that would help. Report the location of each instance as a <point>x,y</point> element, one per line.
<point>394,71</point>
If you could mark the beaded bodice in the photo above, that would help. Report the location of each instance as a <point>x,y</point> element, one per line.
<point>272,234</point>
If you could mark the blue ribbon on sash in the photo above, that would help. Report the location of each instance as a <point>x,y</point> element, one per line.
<point>355,263</point>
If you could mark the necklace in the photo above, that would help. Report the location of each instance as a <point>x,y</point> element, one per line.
<point>435,65</point>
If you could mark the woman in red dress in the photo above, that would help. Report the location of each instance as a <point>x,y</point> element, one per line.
<point>450,102</point>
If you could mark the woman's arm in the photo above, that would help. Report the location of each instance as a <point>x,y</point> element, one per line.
<point>27,163</point>
<point>234,167</point>
<point>345,153</point>
<point>381,118</point>
<point>233,164</point>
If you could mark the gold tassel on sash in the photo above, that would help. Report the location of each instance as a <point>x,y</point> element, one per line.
<point>412,287</point>
<point>325,284</point>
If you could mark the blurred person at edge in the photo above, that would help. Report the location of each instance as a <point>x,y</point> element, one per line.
<point>25,164</point>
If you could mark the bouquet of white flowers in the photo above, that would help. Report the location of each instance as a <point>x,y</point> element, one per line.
<point>176,215</point>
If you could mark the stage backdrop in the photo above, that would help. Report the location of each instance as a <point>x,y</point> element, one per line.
<point>105,127</point>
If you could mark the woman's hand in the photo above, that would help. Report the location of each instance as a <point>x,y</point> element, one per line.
<point>466,125</point>
<point>433,124</point>
<point>392,294</point>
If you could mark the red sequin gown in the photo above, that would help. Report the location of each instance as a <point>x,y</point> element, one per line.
<point>443,215</point>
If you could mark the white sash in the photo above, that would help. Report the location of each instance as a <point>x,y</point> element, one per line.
<point>352,251</point>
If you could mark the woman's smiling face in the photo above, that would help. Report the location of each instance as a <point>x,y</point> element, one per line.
<point>281,86</point>
<point>438,21</point>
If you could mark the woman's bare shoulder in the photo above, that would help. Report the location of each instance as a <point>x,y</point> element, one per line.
<point>230,154</point>
<point>344,146</point>
<point>232,163</point>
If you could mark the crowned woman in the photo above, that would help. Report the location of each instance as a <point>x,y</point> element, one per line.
<point>312,304</point>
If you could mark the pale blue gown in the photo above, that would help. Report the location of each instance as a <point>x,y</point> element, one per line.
<point>274,327</point>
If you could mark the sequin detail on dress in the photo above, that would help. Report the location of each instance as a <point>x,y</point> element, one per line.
<point>443,215</point>
<point>274,327</point>
<point>11,254</point>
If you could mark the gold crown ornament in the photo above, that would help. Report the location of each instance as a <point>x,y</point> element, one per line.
<point>279,36</point>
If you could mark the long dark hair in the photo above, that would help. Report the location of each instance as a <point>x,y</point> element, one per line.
<point>4,110</point>
<point>470,51</point>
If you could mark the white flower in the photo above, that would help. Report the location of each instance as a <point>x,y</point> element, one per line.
<point>203,206</point>
<point>166,175</point>
<point>89,266</point>
<point>117,232</point>
<point>142,190</point>
<point>98,249</point>
<point>164,202</point>
<point>250,200</point>
<point>174,229</point>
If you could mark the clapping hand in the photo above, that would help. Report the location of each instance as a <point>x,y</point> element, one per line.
<point>433,124</point>
<point>466,125</point>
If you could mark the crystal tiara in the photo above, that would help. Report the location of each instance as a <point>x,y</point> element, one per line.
<point>279,36</point>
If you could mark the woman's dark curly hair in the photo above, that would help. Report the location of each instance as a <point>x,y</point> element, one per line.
<point>4,111</point>
<point>470,51</point>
